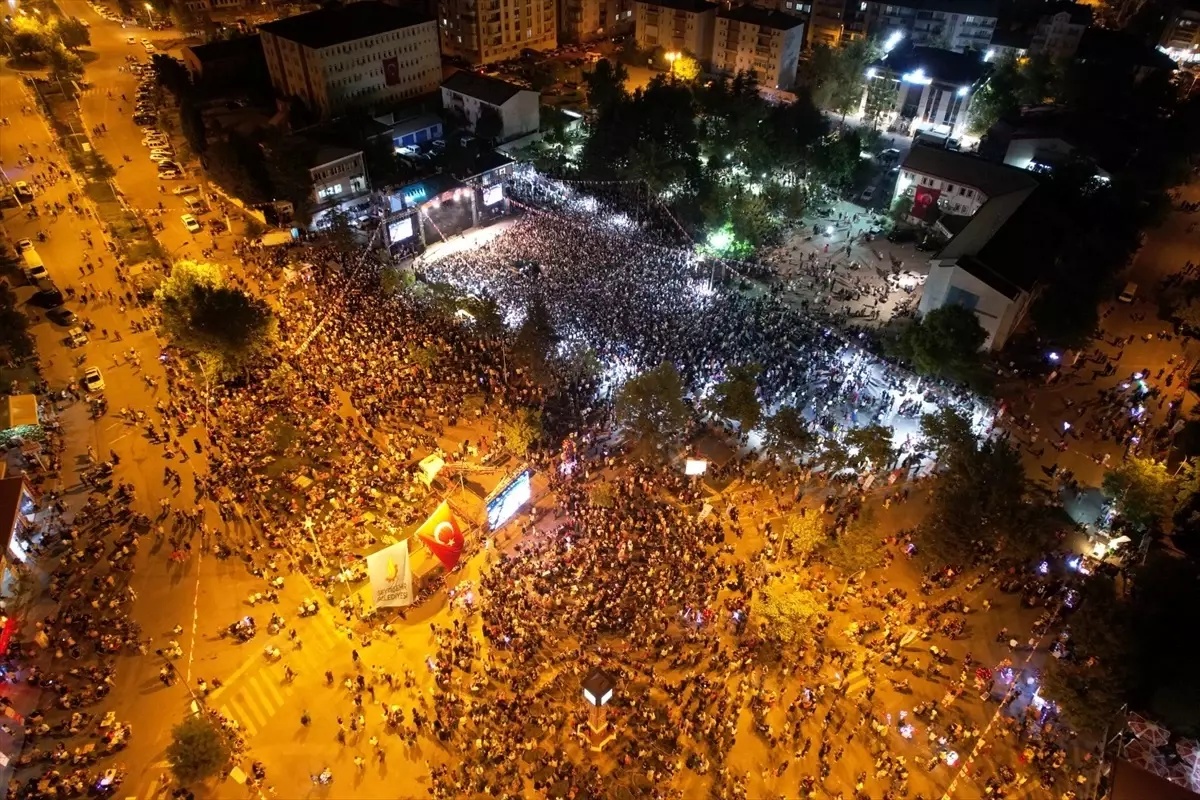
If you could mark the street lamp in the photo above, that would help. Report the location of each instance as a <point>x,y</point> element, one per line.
<point>598,689</point>
<point>671,56</point>
<point>149,12</point>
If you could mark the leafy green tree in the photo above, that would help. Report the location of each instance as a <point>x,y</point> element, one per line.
<point>882,93</point>
<point>788,435</point>
<point>752,219</point>
<point>252,228</point>
<point>394,280</point>
<point>490,125</point>
<point>605,84</point>
<point>601,495</point>
<point>977,502</point>
<point>198,750</point>
<point>651,407</point>
<point>685,68</point>
<point>64,62</point>
<point>1165,594</point>
<point>736,397</point>
<point>839,75</point>
<point>1143,491</point>
<point>191,123</point>
<point>1090,684</point>
<point>27,36</point>
<point>522,430</point>
<point>72,33</point>
<point>170,74</point>
<point>997,98</point>
<point>945,344</point>
<point>286,162</point>
<point>222,324</point>
<point>340,233</point>
<point>901,208</point>
<point>857,547</point>
<point>804,533</point>
<point>14,327</point>
<point>948,434</point>
<point>784,614</point>
<point>873,446</point>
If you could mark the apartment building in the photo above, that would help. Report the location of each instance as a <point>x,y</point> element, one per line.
<point>1059,29</point>
<point>934,89</point>
<point>1181,35</point>
<point>676,25</point>
<point>955,25</point>
<point>486,31</point>
<point>473,95</point>
<point>364,55</point>
<point>747,38</point>
<point>587,20</point>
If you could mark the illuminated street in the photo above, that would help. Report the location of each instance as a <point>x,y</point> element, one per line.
<point>523,477</point>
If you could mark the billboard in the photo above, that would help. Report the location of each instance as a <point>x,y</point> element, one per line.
<point>507,500</point>
<point>493,194</point>
<point>925,201</point>
<point>391,577</point>
<point>400,230</point>
<point>695,466</point>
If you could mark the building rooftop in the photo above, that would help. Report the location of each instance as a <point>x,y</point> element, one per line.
<point>1103,45</point>
<point>691,6</point>
<point>1006,262</point>
<point>327,154</point>
<point>765,18</point>
<point>340,24</point>
<point>492,91</point>
<point>226,48</point>
<point>1079,13</point>
<point>979,8</point>
<point>960,69</point>
<point>962,168</point>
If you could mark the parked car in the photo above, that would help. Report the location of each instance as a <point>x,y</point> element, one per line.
<point>93,380</point>
<point>23,191</point>
<point>867,195</point>
<point>76,337</point>
<point>62,315</point>
<point>901,235</point>
<point>187,188</point>
<point>169,174</point>
<point>23,245</point>
<point>130,40</point>
<point>191,223</point>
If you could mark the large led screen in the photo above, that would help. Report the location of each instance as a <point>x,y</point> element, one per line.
<point>501,508</point>
<point>400,230</point>
<point>493,195</point>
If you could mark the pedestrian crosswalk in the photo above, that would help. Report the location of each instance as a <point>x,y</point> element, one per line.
<point>261,693</point>
<point>155,783</point>
<point>856,681</point>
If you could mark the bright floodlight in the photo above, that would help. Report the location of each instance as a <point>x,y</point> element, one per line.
<point>892,41</point>
<point>989,55</point>
<point>829,231</point>
<point>872,73</point>
<point>719,240</point>
<point>962,91</point>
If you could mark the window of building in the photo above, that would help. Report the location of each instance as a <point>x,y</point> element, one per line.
<point>956,296</point>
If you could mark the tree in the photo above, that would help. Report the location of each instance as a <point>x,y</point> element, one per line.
<point>72,33</point>
<point>64,62</point>
<point>685,68</point>
<point>803,533</point>
<point>170,74</point>
<point>882,92</point>
<point>490,125</point>
<point>14,326</point>
<point>651,408</point>
<point>191,123</point>
<point>28,36</point>
<point>997,98</point>
<point>839,74</point>
<point>227,328</point>
<point>340,233</point>
<point>1142,490</point>
<point>901,208</point>
<point>784,614</point>
<point>286,164</point>
<point>788,435</point>
<point>394,280</point>
<point>945,344</point>
<point>198,750</point>
<point>605,84</point>
<point>252,228</point>
<point>857,547</point>
<point>522,430</point>
<point>871,445</point>
<point>977,502</point>
<point>947,434</point>
<point>1090,683</point>
<point>736,397</point>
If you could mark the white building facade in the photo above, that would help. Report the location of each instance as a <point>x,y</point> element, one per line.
<point>364,55</point>
<point>768,43</point>
<point>471,94</point>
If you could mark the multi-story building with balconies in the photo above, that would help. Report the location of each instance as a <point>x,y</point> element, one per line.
<point>486,31</point>
<point>676,25</point>
<point>747,38</point>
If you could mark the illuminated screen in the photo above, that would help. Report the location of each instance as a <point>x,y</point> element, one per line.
<point>400,230</point>
<point>493,195</point>
<point>505,504</point>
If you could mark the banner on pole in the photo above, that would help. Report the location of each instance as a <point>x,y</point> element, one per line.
<point>391,577</point>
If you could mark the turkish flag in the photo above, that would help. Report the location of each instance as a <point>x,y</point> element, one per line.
<point>443,536</point>
<point>924,200</point>
<point>391,71</point>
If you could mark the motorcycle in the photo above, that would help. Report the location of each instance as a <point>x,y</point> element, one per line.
<point>272,653</point>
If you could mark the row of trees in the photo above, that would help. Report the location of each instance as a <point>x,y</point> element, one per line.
<point>55,42</point>
<point>716,152</point>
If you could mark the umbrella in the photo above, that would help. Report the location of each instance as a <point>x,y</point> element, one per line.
<point>1179,773</point>
<point>1189,751</point>
<point>1148,731</point>
<point>1144,755</point>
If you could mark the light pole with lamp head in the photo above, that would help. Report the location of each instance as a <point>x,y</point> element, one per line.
<point>671,57</point>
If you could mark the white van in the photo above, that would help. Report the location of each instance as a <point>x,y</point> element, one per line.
<point>35,270</point>
<point>1127,294</point>
<point>195,205</point>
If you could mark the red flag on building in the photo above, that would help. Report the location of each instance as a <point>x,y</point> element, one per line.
<point>443,536</point>
<point>925,200</point>
<point>391,71</point>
